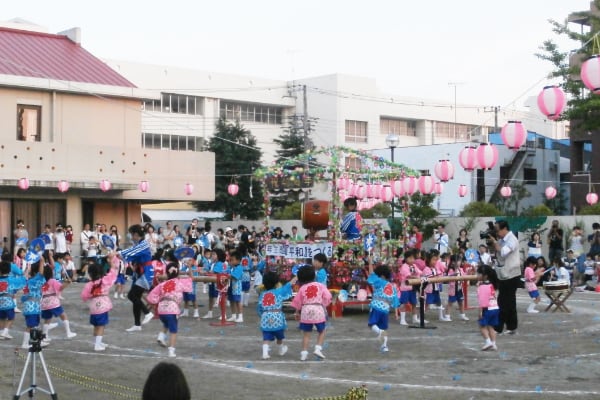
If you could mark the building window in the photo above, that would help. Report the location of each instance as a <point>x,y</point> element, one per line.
<point>175,103</point>
<point>397,126</point>
<point>353,163</point>
<point>447,129</point>
<point>248,112</point>
<point>166,141</point>
<point>29,123</point>
<point>530,176</point>
<point>356,131</point>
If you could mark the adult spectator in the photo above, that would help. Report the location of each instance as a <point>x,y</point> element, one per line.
<point>114,235</point>
<point>534,246</point>
<point>509,276</point>
<point>69,237</point>
<point>60,239</point>
<point>594,241</point>
<point>296,236</point>
<point>193,232</point>
<point>555,241</point>
<point>441,239</point>
<point>277,234</point>
<point>169,235</point>
<point>166,381</point>
<point>21,236</point>
<point>84,239</point>
<point>462,242</point>
<point>229,239</point>
<point>246,238</point>
<point>415,240</point>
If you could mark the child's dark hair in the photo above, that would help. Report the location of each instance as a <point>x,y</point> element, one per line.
<point>454,261</point>
<point>431,254</point>
<point>270,279</point>
<point>350,202</point>
<point>221,256</point>
<point>531,260</point>
<point>172,270</point>
<point>320,257</point>
<point>35,268</point>
<point>48,272</point>
<point>383,271</point>
<point>138,229</point>
<point>95,271</point>
<point>410,253</point>
<point>235,254</point>
<point>7,257</point>
<point>306,274</point>
<point>488,272</point>
<point>4,267</point>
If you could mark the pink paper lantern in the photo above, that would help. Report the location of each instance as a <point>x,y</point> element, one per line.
<point>506,191</point>
<point>105,185</point>
<point>23,183</point>
<point>63,186</point>
<point>377,190</point>
<point>361,191</point>
<point>550,192</point>
<point>438,188</point>
<point>343,195</point>
<point>350,188</point>
<point>409,184</point>
<point>513,134</point>
<point>551,102</point>
<point>343,182</point>
<point>444,170</point>
<point>386,193</point>
<point>487,155</point>
<point>467,158</point>
<point>370,190</point>
<point>426,184</point>
<point>143,186</point>
<point>462,190</point>
<point>233,189</point>
<point>397,187</point>
<point>591,198</point>
<point>590,73</point>
<point>188,189</point>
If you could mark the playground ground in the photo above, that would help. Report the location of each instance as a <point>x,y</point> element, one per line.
<point>556,355</point>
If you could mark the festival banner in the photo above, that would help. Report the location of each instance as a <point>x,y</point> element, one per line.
<point>299,250</point>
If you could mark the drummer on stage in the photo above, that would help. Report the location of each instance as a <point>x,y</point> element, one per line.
<point>351,224</point>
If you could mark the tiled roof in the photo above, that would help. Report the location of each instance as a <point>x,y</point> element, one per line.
<point>42,55</point>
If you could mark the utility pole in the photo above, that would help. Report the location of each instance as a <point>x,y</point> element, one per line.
<point>306,128</point>
<point>455,84</point>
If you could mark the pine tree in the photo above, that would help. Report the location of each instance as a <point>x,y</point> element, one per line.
<point>236,158</point>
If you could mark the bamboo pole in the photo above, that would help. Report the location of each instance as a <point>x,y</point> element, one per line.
<point>442,279</point>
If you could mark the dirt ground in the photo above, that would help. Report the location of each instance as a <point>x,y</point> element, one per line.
<point>556,355</point>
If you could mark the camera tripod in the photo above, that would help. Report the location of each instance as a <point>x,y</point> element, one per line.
<point>35,351</point>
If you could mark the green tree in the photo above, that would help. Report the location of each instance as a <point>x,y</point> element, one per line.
<point>583,106</point>
<point>291,211</point>
<point>590,210</point>
<point>420,213</point>
<point>510,205</point>
<point>381,210</point>
<point>538,211</point>
<point>480,209</point>
<point>236,158</point>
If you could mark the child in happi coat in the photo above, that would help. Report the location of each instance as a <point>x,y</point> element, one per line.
<point>455,291</point>
<point>531,276</point>
<point>32,295</point>
<point>408,294</point>
<point>432,292</point>
<point>96,293</point>
<point>50,303</point>
<point>272,318</point>
<point>234,292</point>
<point>489,311</point>
<point>351,223</point>
<point>190,268</point>
<point>319,261</point>
<point>217,264</point>
<point>9,285</point>
<point>385,297</point>
<point>310,303</point>
<point>168,296</point>
<point>247,267</point>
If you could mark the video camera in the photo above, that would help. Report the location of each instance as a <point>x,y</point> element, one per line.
<point>489,233</point>
<point>35,338</point>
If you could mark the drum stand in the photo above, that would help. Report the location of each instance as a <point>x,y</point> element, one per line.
<point>35,351</point>
<point>422,308</point>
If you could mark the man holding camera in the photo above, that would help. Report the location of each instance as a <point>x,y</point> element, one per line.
<point>555,242</point>
<point>509,275</point>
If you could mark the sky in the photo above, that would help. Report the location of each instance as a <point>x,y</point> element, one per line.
<point>413,48</point>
